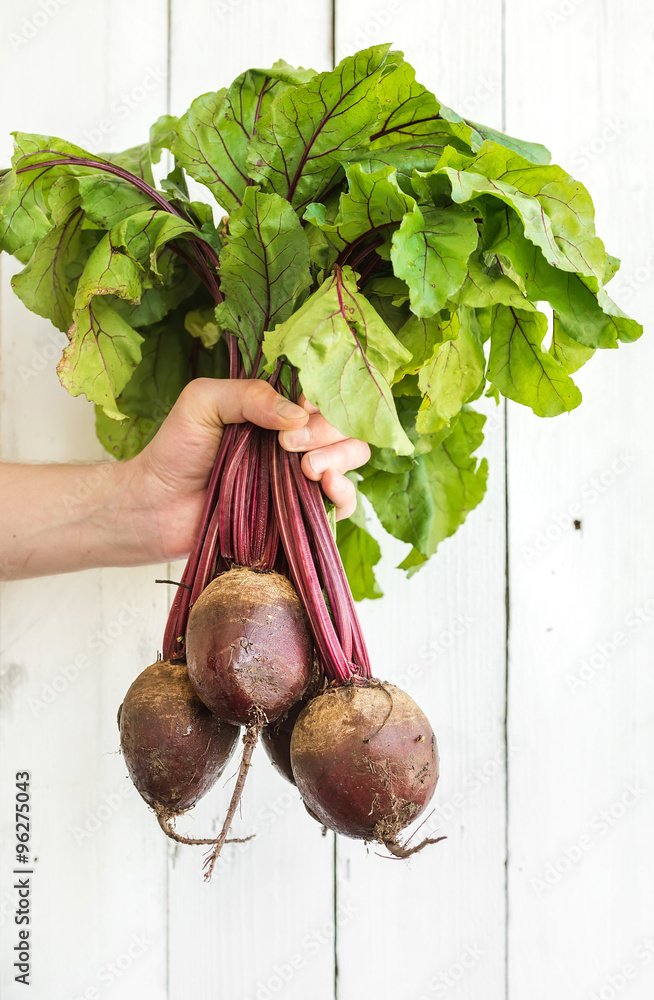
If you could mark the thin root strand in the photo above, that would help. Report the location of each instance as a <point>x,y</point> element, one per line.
<point>165,822</point>
<point>398,850</point>
<point>250,740</point>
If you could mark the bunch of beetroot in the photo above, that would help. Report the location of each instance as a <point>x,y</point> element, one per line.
<point>263,634</point>
<point>384,256</point>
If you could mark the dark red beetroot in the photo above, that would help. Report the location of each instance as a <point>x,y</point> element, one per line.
<point>248,647</point>
<point>365,762</point>
<point>276,739</point>
<point>250,657</point>
<point>174,748</point>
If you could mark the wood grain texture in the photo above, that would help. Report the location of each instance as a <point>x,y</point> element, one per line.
<point>120,910</point>
<point>70,646</point>
<point>580,702</point>
<point>439,918</point>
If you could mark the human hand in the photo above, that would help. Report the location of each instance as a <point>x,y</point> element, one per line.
<point>167,481</point>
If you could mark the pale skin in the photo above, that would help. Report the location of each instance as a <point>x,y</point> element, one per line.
<point>63,518</point>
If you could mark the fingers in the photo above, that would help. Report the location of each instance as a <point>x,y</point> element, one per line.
<point>316,433</point>
<point>341,457</point>
<point>341,492</point>
<point>212,403</point>
<point>309,407</point>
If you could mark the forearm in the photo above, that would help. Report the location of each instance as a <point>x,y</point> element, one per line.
<point>61,518</point>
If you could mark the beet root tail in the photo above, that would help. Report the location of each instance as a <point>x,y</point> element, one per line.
<point>250,740</point>
<point>165,820</point>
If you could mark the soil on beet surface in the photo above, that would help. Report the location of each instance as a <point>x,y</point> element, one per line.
<point>174,748</point>
<point>365,760</point>
<point>249,649</point>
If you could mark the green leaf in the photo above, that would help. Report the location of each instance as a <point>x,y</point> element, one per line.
<point>452,376</point>
<point>409,110</point>
<point>176,283</point>
<point>484,286</point>
<point>166,366</point>
<point>264,270</point>
<point>427,503</point>
<point>532,151</point>
<point>421,154</point>
<point>25,213</point>
<point>346,357</point>
<point>44,286</point>
<point>419,336</point>
<point>201,323</point>
<point>430,252</point>
<point>297,144</point>
<point>107,200</point>
<point>123,438</point>
<point>127,259</point>
<point>519,367</point>
<point>212,137</point>
<point>373,204</point>
<point>413,562</point>
<point>556,211</point>
<point>569,354</point>
<point>101,356</point>
<point>359,552</point>
<point>590,319</point>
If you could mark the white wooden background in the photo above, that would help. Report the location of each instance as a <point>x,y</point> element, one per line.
<point>545,885</point>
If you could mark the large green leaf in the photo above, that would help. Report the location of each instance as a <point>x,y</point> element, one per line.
<point>430,252</point>
<point>45,285</point>
<point>346,357</point>
<point>25,214</point>
<point>102,355</point>
<point>212,138</point>
<point>519,367</point>
<point>569,354</point>
<point>591,321</point>
<point>556,211</point>
<point>408,110</point>
<point>297,145</point>
<point>428,502</point>
<point>264,270</point>
<point>534,152</point>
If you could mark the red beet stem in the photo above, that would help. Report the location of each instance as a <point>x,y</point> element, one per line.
<point>262,512</point>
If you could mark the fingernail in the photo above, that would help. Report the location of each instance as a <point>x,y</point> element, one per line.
<point>319,462</point>
<point>293,440</point>
<point>290,411</point>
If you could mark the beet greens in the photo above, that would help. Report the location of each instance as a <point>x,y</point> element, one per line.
<point>390,251</point>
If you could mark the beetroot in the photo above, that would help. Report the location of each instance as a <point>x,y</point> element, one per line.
<point>276,739</point>
<point>248,647</point>
<point>250,658</point>
<point>365,761</point>
<point>174,748</point>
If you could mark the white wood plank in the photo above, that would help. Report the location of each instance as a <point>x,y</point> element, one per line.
<point>435,924</point>
<point>71,645</point>
<point>264,926</point>
<point>579,78</point>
